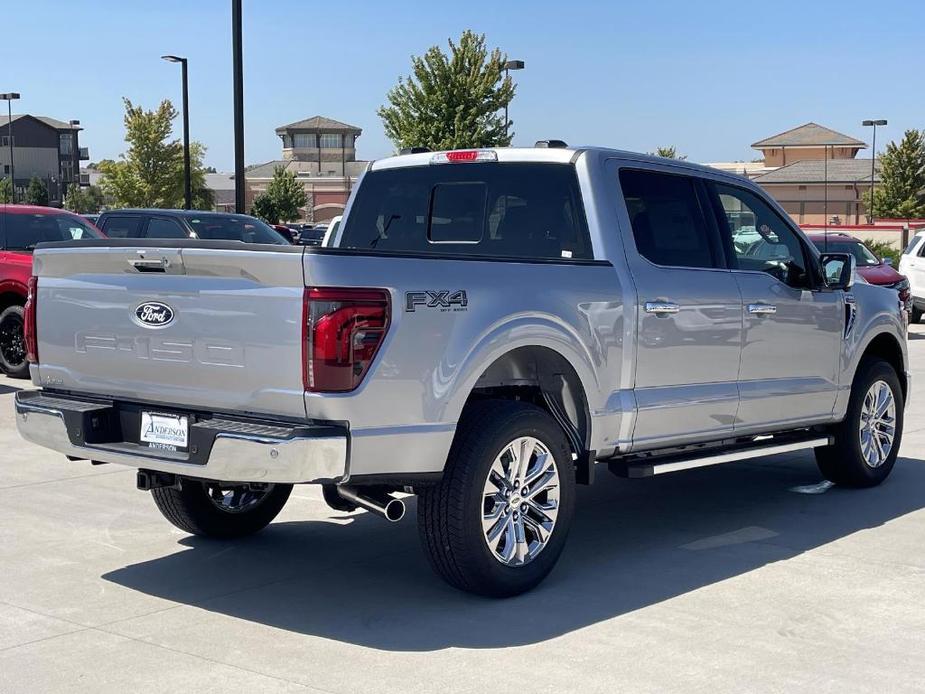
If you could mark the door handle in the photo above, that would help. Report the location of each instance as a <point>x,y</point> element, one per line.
<point>662,308</point>
<point>762,309</point>
<point>150,264</point>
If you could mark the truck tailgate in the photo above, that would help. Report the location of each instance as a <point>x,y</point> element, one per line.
<point>214,328</point>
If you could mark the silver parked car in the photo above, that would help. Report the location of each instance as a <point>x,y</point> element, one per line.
<point>490,325</point>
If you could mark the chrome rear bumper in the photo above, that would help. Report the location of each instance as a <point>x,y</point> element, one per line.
<point>234,456</point>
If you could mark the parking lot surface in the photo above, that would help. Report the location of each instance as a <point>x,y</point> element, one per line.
<point>747,577</point>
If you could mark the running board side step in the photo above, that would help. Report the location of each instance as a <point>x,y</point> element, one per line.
<point>655,465</point>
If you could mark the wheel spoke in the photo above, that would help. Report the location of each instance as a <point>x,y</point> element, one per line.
<point>540,530</point>
<point>524,454</point>
<point>542,468</point>
<point>520,541</point>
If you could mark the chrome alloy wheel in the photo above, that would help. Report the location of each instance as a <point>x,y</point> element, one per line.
<point>237,499</point>
<point>520,501</point>
<point>877,428</point>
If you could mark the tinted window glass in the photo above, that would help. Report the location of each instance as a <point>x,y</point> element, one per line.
<point>162,228</point>
<point>119,227</point>
<point>233,228</point>
<point>863,256</point>
<point>912,244</point>
<point>668,223</point>
<point>761,239</point>
<point>24,231</point>
<point>489,209</point>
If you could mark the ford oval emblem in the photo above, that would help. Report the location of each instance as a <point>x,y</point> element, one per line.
<point>154,314</point>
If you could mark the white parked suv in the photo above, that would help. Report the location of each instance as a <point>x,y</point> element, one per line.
<point>912,265</point>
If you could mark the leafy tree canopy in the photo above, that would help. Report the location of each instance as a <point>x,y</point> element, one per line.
<point>150,172</point>
<point>36,192</point>
<point>6,190</point>
<point>451,101</point>
<point>669,152</point>
<point>900,193</point>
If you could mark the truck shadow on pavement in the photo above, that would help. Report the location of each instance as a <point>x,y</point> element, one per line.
<point>633,544</point>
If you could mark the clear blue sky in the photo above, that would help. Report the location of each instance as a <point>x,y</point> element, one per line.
<point>708,77</point>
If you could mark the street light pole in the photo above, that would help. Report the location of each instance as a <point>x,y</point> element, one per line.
<point>238,78</point>
<point>9,97</point>
<point>187,176</point>
<point>873,159</point>
<point>508,66</point>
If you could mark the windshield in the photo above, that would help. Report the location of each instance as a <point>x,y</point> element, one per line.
<point>21,232</point>
<point>861,253</point>
<point>234,228</point>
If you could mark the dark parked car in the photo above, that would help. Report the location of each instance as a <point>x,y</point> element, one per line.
<point>186,224</point>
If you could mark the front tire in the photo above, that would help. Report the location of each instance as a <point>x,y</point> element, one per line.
<point>867,441</point>
<point>497,521</point>
<point>220,511</point>
<point>13,343</point>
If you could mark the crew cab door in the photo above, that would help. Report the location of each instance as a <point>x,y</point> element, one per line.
<point>793,329</point>
<point>688,310</point>
<point>912,265</point>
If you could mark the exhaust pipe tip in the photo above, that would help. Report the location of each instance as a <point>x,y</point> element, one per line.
<point>394,510</point>
<point>390,508</point>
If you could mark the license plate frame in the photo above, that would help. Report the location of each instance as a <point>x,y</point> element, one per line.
<point>164,430</point>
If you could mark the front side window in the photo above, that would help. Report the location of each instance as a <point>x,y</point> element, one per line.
<point>215,227</point>
<point>761,239</point>
<point>667,220</point>
<point>22,232</point>
<point>163,228</point>
<point>525,210</point>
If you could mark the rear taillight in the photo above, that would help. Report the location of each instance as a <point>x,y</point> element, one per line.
<point>29,334</point>
<point>342,331</point>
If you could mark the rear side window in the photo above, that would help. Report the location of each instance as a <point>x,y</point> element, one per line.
<point>511,210</point>
<point>669,227</point>
<point>122,227</point>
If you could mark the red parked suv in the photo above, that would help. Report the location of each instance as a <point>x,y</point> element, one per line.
<point>873,269</point>
<point>21,228</point>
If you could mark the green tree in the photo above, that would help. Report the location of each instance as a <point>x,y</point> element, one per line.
<point>286,194</point>
<point>901,189</point>
<point>150,173</point>
<point>6,190</point>
<point>669,152</point>
<point>37,192</point>
<point>451,101</point>
<point>83,200</point>
<point>265,208</point>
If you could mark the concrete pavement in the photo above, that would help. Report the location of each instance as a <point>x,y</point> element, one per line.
<point>748,577</point>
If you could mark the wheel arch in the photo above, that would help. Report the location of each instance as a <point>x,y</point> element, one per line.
<point>886,346</point>
<point>545,377</point>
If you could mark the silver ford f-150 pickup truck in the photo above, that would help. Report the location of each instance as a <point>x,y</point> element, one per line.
<point>487,326</point>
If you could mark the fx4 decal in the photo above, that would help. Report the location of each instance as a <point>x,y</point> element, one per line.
<point>443,300</point>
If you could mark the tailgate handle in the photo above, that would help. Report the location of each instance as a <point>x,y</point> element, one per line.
<point>149,265</point>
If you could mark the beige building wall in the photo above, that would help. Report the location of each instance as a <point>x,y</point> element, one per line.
<point>806,203</point>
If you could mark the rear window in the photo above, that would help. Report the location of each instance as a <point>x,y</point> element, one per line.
<point>21,232</point>
<point>485,209</point>
<point>233,228</point>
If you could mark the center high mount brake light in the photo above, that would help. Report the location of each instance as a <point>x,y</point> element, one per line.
<point>458,156</point>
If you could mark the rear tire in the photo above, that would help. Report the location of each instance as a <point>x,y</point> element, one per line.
<point>195,508</point>
<point>13,343</point>
<point>484,529</point>
<point>864,453</point>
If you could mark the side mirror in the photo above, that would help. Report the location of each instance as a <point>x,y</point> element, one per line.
<point>887,261</point>
<point>838,270</point>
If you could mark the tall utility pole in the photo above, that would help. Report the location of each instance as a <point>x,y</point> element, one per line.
<point>187,176</point>
<point>508,66</point>
<point>873,159</point>
<point>238,68</point>
<point>9,98</point>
